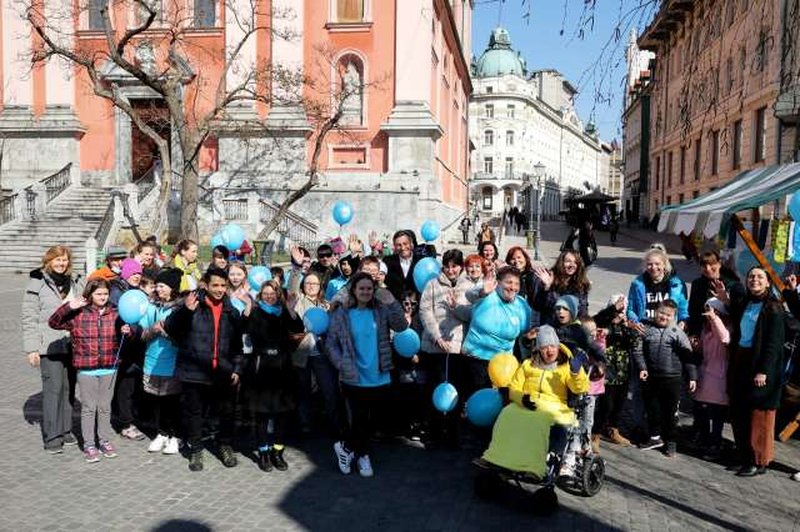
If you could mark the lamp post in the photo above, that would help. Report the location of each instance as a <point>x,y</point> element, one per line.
<point>538,174</point>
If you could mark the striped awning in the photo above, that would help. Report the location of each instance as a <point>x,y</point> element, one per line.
<point>750,189</point>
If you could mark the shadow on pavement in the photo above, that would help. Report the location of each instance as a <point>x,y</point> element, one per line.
<point>181,525</point>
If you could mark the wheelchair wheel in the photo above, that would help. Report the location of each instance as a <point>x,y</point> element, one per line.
<point>544,501</point>
<point>487,485</point>
<point>593,476</point>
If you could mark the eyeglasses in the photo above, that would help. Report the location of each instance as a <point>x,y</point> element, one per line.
<point>409,303</point>
<point>325,255</point>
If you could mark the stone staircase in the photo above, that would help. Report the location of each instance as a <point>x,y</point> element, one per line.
<point>70,219</point>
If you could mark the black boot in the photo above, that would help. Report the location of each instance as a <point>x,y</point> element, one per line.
<point>264,463</point>
<point>276,457</point>
<point>196,460</point>
<point>227,456</point>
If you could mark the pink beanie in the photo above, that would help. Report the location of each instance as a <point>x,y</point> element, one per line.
<point>130,267</point>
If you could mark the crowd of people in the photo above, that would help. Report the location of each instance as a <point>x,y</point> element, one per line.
<point>217,359</point>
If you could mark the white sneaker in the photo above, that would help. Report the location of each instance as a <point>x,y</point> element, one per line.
<point>796,477</point>
<point>343,456</point>
<point>364,466</point>
<point>172,446</point>
<point>567,470</point>
<point>157,444</point>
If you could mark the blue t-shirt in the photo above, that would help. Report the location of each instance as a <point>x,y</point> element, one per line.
<point>495,325</point>
<point>364,332</point>
<point>748,324</point>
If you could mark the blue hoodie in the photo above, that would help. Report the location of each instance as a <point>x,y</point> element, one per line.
<point>161,352</point>
<point>637,298</point>
<point>495,325</point>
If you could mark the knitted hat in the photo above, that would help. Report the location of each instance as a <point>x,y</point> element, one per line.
<point>717,305</point>
<point>170,277</point>
<point>570,303</point>
<point>130,267</point>
<point>116,252</point>
<point>546,336</point>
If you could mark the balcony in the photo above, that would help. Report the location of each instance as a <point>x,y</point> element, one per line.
<point>787,106</point>
<point>483,176</point>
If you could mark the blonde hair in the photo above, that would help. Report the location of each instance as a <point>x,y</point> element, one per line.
<point>55,252</point>
<point>658,252</point>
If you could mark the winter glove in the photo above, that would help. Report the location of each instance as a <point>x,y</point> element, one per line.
<point>577,361</point>
<point>528,403</point>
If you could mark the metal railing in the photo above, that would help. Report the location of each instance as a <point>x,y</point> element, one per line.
<point>57,183</point>
<point>8,211</point>
<point>146,183</point>
<point>292,226</point>
<point>234,209</point>
<point>106,224</point>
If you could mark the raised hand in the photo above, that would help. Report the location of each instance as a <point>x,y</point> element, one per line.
<point>354,245</point>
<point>75,304</point>
<point>544,275</point>
<point>720,292</point>
<point>297,255</point>
<point>191,301</point>
<point>489,283</point>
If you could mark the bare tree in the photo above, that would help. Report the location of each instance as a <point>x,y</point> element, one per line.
<point>159,52</point>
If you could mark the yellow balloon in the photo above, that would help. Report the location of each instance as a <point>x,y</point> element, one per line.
<point>501,368</point>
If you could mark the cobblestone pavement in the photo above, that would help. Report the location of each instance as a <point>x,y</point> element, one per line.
<point>413,489</point>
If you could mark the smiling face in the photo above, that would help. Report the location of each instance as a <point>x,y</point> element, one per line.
<point>403,247</point>
<point>219,262</point>
<point>549,353</point>
<point>757,282</point>
<point>518,260</point>
<point>59,264</point>
<point>487,252</point>
<point>364,291</point>
<point>135,279</point>
<point>163,291</point>
<point>655,267</point>
<point>451,270</point>
<point>236,277</point>
<point>190,254</point>
<point>508,287</point>
<point>146,256</point>
<point>474,271</point>
<point>664,316</point>
<point>311,286</point>
<point>570,264</point>
<point>217,286</point>
<point>268,295</point>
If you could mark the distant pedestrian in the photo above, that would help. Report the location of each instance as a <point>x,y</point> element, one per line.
<point>613,229</point>
<point>465,226</point>
<point>519,220</point>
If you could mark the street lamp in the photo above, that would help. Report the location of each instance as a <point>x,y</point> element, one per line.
<point>538,175</point>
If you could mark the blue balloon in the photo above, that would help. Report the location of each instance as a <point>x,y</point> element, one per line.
<point>445,397</point>
<point>132,306</point>
<point>407,343</point>
<point>216,240</point>
<point>425,270</point>
<point>257,276</point>
<point>238,304</point>
<point>316,320</point>
<point>484,406</point>
<point>794,206</point>
<point>430,231</point>
<point>232,237</point>
<point>342,212</point>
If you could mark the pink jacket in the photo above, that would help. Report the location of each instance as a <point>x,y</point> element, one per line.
<point>714,340</point>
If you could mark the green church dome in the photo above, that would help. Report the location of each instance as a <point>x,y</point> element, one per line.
<point>499,59</point>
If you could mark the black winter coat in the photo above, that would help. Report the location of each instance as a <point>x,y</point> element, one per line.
<point>194,334</point>
<point>701,292</point>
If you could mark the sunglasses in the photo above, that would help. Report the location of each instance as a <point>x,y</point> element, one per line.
<point>325,255</point>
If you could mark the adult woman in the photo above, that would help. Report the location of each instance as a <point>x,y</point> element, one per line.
<point>145,253</point>
<point>444,312</point>
<point>348,265</point>
<point>475,269</point>
<point>268,379</point>
<point>49,286</point>
<point>308,358</point>
<point>657,283</point>
<point>185,259</point>
<point>715,280</point>
<point>488,250</point>
<point>359,347</point>
<point>530,285</point>
<point>754,373</point>
<point>499,316</point>
<point>219,257</point>
<point>568,277</point>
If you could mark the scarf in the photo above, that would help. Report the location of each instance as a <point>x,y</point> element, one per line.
<point>62,281</point>
<point>275,310</point>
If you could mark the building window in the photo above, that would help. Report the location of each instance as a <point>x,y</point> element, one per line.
<point>489,90</point>
<point>737,144</point>
<point>488,165</point>
<point>350,10</point>
<point>658,171</point>
<point>488,137</point>
<point>510,111</point>
<point>729,76</point>
<point>761,135</point>
<point>489,110</point>
<point>142,13</point>
<point>668,201</point>
<point>509,138</point>
<point>697,159</point>
<point>762,47</point>
<point>683,165</point>
<point>487,196</point>
<point>715,152</point>
<point>204,13</point>
<point>509,167</point>
<point>96,14</point>
<point>695,194</point>
<point>350,69</point>
<point>669,170</point>
<point>680,199</point>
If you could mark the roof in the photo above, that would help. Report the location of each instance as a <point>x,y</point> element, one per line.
<point>748,190</point>
<point>499,59</point>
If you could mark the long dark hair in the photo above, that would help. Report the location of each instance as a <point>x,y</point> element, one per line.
<point>357,278</point>
<point>511,253</point>
<point>576,283</point>
<point>93,285</point>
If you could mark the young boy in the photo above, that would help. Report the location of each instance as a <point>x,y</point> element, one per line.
<point>661,357</point>
<point>208,331</point>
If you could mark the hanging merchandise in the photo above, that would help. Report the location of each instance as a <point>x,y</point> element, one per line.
<point>732,234</point>
<point>795,243</point>
<point>763,233</point>
<point>780,237</point>
<point>790,243</point>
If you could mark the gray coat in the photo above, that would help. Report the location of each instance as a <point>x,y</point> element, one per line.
<point>339,344</point>
<point>441,320</point>
<point>665,353</point>
<point>40,301</point>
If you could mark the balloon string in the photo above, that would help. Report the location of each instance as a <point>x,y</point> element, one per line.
<point>116,361</point>
<point>447,368</point>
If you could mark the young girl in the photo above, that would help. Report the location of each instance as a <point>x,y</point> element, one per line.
<point>159,363</point>
<point>219,257</point>
<point>267,378</point>
<point>185,259</point>
<point>92,323</point>
<point>237,279</point>
<point>348,265</point>
<point>711,396</point>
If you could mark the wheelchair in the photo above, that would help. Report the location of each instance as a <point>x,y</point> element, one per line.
<point>490,480</point>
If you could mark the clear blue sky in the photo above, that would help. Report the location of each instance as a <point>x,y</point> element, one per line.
<point>595,64</point>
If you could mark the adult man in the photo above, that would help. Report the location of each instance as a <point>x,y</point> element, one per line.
<point>325,265</point>
<point>114,257</point>
<point>400,265</point>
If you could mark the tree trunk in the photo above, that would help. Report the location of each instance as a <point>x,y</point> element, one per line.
<point>189,200</point>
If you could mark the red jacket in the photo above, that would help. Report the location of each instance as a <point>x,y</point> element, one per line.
<point>93,334</point>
